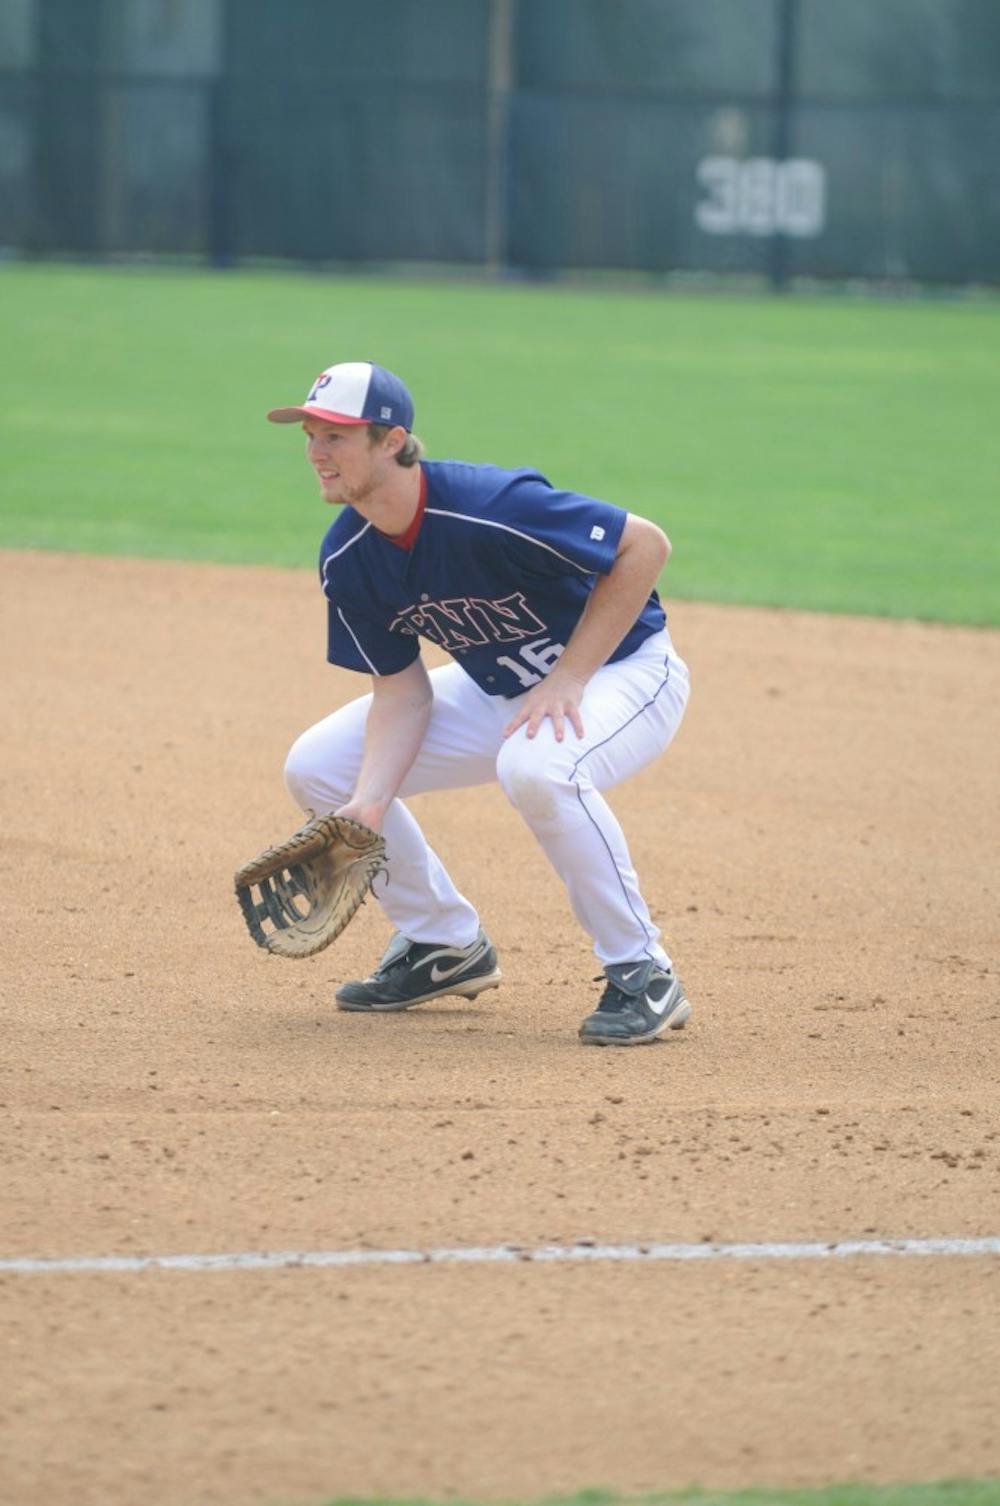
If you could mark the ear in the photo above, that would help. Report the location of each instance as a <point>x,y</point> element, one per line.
<point>395,440</point>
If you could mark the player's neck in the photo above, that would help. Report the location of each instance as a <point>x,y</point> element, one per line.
<point>392,507</point>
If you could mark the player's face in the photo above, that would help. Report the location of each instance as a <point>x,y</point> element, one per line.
<point>343,459</point>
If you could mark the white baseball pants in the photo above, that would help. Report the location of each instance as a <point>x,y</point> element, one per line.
<point>630,712</point>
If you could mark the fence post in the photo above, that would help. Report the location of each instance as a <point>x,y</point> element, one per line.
<point>500,75</point>
<point>220,161</point>
<point>784,108</point>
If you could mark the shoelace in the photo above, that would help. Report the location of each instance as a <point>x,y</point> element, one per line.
<point>613,1000</point>
<point>398,965</point>
<point>387,969</point>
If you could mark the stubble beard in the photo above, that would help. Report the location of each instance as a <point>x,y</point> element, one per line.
<point>353,495</point>
<point>348,496</point>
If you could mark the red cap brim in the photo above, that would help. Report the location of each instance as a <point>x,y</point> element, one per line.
<point>296,415</point>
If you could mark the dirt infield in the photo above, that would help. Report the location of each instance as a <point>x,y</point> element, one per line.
<point>820,846</point>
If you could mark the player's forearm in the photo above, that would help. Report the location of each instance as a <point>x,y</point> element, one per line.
<point>617,599</point>
<point>396,726</point>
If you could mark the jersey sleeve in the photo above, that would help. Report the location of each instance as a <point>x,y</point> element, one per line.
<point>549,533</point>
<point>356,641</point>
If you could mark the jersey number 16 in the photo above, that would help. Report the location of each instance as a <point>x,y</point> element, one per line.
<point>540,655</point>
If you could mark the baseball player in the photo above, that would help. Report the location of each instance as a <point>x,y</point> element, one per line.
<point>563,682</point>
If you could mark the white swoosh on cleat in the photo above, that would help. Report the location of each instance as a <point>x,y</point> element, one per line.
<point>439,974</point>
<point>658,1005</point>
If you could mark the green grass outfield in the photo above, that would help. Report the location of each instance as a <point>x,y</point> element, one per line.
<point>942,1493</point>
<point>834,454</point>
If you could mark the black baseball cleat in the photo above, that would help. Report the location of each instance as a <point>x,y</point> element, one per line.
<point>411,972</point>
<point>640,999</point>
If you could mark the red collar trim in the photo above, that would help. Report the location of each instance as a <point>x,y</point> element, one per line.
<point>409,538</point>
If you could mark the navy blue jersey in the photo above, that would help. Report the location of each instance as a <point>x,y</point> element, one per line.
<point>499,575</point>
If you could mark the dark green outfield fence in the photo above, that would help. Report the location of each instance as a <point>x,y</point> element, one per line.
<point>821,138</point>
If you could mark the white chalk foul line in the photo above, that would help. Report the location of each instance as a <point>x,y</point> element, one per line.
<point>501,1255</point>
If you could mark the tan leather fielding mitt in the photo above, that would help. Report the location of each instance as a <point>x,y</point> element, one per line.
<point>308,888</point>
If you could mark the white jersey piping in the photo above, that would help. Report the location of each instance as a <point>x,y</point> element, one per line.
<point>337,552</point>
<point>357,645</point>
<point>440,512</point>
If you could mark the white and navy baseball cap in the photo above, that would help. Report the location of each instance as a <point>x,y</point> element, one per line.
<point>353,392</point>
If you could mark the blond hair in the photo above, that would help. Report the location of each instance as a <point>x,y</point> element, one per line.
<point>411,451</point>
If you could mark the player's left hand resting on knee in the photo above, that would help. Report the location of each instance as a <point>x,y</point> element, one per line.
<point>557,696</point>
<point>612,607</point>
